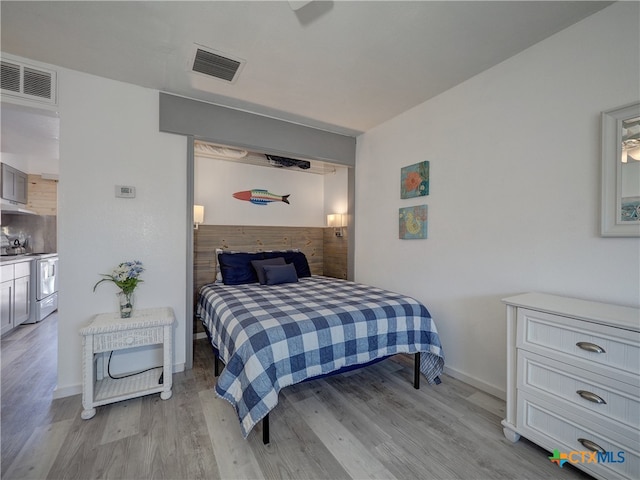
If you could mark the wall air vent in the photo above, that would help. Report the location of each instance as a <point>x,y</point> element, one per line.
<point>215,64</point>
<point>28,82</point>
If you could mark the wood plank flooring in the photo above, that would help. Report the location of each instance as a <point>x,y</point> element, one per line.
<point>369,423</point>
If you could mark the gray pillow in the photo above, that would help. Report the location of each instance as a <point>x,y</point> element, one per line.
<point>277,274</point>
<point>258,265</point>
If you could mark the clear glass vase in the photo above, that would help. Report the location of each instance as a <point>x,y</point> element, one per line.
<point>126,304</point>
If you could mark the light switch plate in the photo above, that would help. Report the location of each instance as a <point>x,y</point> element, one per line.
<point>125,191</point>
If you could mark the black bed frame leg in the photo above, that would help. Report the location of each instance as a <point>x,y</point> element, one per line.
<point>265,429</point>
<point>216,366</point>
<point>416,372</point>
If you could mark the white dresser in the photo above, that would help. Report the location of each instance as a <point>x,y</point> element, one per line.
<point>573,381</point>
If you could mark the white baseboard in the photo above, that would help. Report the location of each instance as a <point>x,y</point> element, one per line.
<point>178,368</point>
<point>479,384</point>
<point>67,391</point>
<point>77,389</point>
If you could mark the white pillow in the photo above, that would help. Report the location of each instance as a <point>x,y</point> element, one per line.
<point>218,272</point>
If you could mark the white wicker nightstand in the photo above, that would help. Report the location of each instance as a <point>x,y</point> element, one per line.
<point>108,332</point>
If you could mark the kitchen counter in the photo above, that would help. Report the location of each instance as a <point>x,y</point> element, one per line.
<point>8,260</point>
<point>27,257</point>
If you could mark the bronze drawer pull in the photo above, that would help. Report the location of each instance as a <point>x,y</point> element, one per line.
<point>590,347</point>
<point>592,397</point>
<point>593,446</point>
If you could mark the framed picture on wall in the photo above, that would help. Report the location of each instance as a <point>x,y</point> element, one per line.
<point>412,222</point>
<point>414,180</point>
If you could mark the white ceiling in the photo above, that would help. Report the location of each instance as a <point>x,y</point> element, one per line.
<point>337,65</point>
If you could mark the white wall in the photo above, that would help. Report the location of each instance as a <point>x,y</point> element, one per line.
<point>514,194</point>
<point>109,136</point>
<point>217,180</point>
<point>16,161</point>
<point>29,133</point>
<point>311,196</point>
<point>336,189</point>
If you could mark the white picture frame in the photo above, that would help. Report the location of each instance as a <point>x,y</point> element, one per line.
<point>612,223</point>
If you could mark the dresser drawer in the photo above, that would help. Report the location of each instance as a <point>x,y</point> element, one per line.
<point>607,401</point>
<point>104,342</point>
<point>606,350</point>
<point>550,427</point>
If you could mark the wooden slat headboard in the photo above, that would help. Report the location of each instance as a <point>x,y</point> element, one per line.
<point>207,238</point>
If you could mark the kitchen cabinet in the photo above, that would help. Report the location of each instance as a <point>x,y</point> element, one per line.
<point>14,184</point>
<point>21,290</point>
<point>14,294</point>
<point>6,305</point>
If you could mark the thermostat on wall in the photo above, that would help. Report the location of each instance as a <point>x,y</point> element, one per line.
<point>125,191</point>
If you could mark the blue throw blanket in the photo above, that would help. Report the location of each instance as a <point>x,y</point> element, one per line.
<point>272,336</point>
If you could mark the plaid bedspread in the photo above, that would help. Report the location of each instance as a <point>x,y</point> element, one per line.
<point>272,336</point>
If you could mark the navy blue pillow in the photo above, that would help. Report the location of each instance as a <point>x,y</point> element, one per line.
<point>258,265</point>
<point>236,268</point>
<point>277,274</point>
<point>298,259</point>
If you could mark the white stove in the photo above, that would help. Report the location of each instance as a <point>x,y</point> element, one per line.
<point>44,290</point>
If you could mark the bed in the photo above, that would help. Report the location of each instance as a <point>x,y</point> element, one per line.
<point>273,324</point>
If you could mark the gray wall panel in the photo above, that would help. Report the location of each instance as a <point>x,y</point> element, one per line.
<point>254,132</point>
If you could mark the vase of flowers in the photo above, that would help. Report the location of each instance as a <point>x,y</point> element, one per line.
<point>126,276</point>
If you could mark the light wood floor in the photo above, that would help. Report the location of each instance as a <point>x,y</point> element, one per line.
<point>367,424</point>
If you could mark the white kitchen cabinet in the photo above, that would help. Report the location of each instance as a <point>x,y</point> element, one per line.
<point>6,305</point>
<point>15,296</point>
<point>14,184</point>
<point>21,293</point>
<point>573,381</point>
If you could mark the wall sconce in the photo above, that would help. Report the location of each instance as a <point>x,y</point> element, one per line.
<point>198,215</point>
<point>338,221</point>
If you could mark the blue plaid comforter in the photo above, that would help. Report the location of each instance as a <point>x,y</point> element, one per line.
<point>272,336</point>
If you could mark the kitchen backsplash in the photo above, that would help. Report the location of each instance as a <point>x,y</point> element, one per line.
<point>39,231</point>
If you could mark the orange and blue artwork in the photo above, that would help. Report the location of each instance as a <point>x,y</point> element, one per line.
<point>260,196</point>
<point>414,180</point>
<point>413,222</point>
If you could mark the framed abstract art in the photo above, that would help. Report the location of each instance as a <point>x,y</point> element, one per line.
<point>412,222</point>
<point>414,180</point>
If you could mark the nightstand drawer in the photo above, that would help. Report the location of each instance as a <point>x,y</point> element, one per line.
<point>104,342</point>
<point>610,351</point>
<point>599,397</point>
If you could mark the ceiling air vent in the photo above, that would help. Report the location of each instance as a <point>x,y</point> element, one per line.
<point>214,64</point>
<point>28,82</point>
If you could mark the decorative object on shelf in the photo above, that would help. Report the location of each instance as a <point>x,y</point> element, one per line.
<point>260,197</point>
<point>414,180</point>
<point>126,277</point>
<point>412,222</point>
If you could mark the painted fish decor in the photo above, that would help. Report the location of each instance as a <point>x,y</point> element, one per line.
<point>260,197</point>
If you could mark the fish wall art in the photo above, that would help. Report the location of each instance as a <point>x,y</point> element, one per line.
<point>260,197</point>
